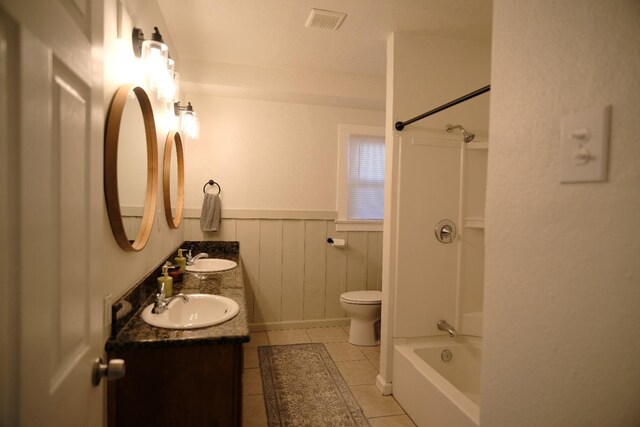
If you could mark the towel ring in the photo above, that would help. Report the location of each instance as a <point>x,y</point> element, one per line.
<point>211,182</point>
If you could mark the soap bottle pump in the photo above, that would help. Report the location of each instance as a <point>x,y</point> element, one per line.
<point>181,260</point>
<point>167,281</point>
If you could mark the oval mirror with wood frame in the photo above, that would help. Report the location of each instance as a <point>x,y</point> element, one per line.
<point>170,169</point>
<point>114,136</point>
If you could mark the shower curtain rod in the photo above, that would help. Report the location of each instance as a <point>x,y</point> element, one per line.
<point>401,125</point>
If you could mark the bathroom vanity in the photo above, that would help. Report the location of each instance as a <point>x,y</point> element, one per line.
<point>180,376</point>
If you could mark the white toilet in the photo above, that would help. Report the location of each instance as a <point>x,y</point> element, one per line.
<point>363,307</point>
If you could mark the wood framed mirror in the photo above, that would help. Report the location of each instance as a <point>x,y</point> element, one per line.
<point>130,134</point>
<point>173,179</point>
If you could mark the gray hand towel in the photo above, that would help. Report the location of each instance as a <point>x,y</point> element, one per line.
<point>210,216</point>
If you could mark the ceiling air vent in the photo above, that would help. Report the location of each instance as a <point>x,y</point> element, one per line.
<point>325,19</point>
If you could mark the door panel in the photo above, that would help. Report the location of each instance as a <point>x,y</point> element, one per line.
<point>80,12</point>
<point>59,213</point>
<point>70,108</point>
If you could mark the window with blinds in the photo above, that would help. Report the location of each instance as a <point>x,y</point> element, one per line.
<point>365,177</point>
<point>360,192</point>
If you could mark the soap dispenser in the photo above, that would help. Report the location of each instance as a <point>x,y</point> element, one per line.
<point>167,281</point>
<point>181,260</point>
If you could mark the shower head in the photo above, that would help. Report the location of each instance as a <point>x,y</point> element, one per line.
<point>468,136</point>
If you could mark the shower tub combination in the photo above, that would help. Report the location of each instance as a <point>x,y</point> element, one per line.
<point>437,380</point>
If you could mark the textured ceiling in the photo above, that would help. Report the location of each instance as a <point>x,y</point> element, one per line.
<point>272,33</point>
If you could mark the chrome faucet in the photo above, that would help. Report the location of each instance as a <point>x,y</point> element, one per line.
<point>162,302</point>
<point>443,325</point>
<point>192,259</point>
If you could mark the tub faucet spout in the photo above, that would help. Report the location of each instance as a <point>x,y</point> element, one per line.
<point>443,325</point>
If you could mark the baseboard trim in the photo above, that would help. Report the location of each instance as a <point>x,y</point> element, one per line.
<point>384,387</point>
<point>297,324</point>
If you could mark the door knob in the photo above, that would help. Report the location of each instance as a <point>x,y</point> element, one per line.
<point>112,370</point>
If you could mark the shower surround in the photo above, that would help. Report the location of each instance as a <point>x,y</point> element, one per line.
<point>433,175</point>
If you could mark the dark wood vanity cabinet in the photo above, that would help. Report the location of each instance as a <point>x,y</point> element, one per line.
<point>192,385</point>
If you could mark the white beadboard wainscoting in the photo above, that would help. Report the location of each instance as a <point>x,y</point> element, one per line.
<point>293,276</point>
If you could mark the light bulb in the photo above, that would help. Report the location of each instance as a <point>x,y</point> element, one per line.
<point>166,84</point>
<point>190,125</point>
<point>171,121</point>
<point>176,85</point>
<point>155,56</point>
<point>127,68</point>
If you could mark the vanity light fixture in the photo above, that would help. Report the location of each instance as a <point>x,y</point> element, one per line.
<point>158,67</point>
<point>189,123</point>
<point>167,85</point>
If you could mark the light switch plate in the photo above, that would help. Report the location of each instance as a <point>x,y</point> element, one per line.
<point>585,145</point>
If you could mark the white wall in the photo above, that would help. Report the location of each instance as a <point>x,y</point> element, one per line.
<point>266,154</point>
<point>284,85</point>
<point>132,266</point>
<point>430,71</point>
<point>275,157</point>
<point>562,343</point>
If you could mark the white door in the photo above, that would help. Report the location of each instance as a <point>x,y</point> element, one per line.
<point>58,209</point>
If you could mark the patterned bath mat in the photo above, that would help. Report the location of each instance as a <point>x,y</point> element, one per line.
<point>302,387</point>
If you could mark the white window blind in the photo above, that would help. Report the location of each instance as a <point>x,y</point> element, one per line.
<point>365,179</point>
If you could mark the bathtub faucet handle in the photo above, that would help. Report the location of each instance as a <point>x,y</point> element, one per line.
<point>443,325</point>
<point>445,231</point>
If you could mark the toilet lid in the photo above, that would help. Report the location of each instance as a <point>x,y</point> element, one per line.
<point>362,297</point>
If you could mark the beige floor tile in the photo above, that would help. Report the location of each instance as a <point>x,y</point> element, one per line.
<point>373,354</point>
<point>250,357</point>
<point>251,381</point>
<point>373,403</point>
<point>330,334</point>
<point>341,351</point>
<point>254,413</point>
<point>357,372</point>
<point>393,421</point>
<point>257,338</point>
<point>288,336</point>
<point>358,365</point>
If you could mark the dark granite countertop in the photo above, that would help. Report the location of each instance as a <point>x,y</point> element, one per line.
<point>130,331</point>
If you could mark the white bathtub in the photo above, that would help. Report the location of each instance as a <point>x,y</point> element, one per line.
<point>436,393</point>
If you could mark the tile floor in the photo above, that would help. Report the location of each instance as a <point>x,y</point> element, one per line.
<point>358,366</point>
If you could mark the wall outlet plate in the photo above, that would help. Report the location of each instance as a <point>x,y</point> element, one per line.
<point>584,143</point>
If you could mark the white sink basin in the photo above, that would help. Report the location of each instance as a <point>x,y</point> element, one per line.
<point>210,265</point>
<point>200,311</point>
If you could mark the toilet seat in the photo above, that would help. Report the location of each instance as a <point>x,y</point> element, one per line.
<point>362,297</point>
